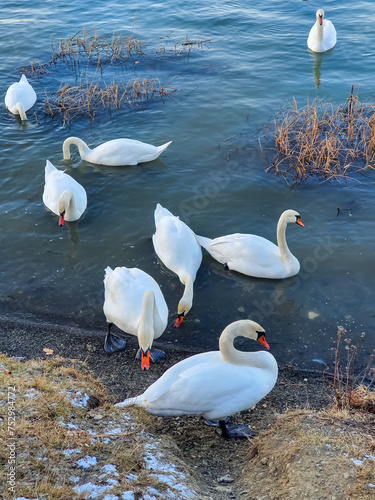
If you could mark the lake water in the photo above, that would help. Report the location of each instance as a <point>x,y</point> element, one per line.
<point>213,175</point>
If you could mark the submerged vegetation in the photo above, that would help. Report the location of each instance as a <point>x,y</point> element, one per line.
<point>87,50</point>
<point>324,140</point>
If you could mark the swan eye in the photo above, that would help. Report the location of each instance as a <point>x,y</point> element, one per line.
<point>298,220</point>
<point>260,334</point>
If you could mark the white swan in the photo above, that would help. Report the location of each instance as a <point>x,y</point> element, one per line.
<point>63,195</point>
<point>134,302</point>
<point>20,97</point>
<point>255,256</point>
<point>116,152</point>
<point>215,384</point>
<point>322,36</point>
<point>176,246</point>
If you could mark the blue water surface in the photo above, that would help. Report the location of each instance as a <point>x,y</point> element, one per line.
<point>252,61</point>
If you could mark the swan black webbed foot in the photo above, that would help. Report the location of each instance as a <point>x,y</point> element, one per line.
<point>226,267</point>
<point>155,355</point>
<point>113,343</point>
<point>230,431</point>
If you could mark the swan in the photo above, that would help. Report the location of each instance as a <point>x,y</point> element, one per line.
<point>116,152</point>
<point>63,195</point>
<point>215,384</point>
<point>176,246</point>
<point>20,97</point>
<point>322,36</point>
<point>255,256</point>
<point>134,302</point>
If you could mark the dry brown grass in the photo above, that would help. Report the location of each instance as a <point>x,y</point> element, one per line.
<point>69,102</point>
<point>353,390</point>
<point>43,425</point>
<point>324,140</point>
<point>320,455</point>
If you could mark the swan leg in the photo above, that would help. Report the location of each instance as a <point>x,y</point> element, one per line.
<point>234,431</point>
<point>155,355</point>
<point>230,431</point>
<point>113,343</point>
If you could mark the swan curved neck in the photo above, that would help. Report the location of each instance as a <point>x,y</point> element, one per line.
<point>82,147</point>
<point>186,301</point>
<point>146,320</point>
<point>319,30</point>
<point>235,357</point>
<point>66,201</point>
<point>281,240</point>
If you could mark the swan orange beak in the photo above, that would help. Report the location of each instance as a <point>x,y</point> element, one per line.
<point>299,222</point>
<point>262,340</point>
<point>145,359</point>
<point>179,319</point>
<point>320,20</point>
<point>61,218</point>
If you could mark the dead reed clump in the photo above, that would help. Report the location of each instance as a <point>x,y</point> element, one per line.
<point>350,389</point>
<point>71,101</point>
<point>324,140</point>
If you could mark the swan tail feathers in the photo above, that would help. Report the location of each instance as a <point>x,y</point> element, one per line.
<point>107,272</point>
<point>203,241</point>
<point>162,148</point>
<point>161,212</point>
<point>49,168</point>
<point>21,111</point>
<point>130,402</point>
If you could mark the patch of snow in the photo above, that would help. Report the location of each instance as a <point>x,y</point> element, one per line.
<point>32,392</point>
<point>85,463</point>
<point>110,497</point>
<point>131,477</point>
<point>67,453</point>
<point>69,426</point>
<point>118,430</point>
<point>74,479</point>
<point>110,469</point>
<point>127,495</point>
<point>357,462</point>
<point>371,485</point>
<point>91,490</point>
<point>79,400</point>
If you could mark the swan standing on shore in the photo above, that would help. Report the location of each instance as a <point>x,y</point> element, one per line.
<point>322,36</point>
<point>20,97</point>
<point>63,195</point>
<point>254,255</point>
<point>116,152</point>
<point>134,302</point>
<point>215,384</point>
<point>176,246</point>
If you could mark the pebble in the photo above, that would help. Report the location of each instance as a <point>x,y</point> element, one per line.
<point>264,461</point>
<point>225,479</point>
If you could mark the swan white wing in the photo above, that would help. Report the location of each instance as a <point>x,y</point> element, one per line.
<point>209,386</point>
<point>120,152</point>
<point>176,246</point>
<point>124,290</point>
<point>246,253</point>
<point>21,92</point>
<point>330,37</point>
<point>58,181</point>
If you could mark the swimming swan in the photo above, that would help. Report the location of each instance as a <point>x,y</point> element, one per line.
<point>176,246</point>
<point>116,152</point>
<point>20,97</point>
<point>255,256</point>
<point>322,36</point>
<point>63,195</point>
<point>134,302</point>
<point>215,384</point>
